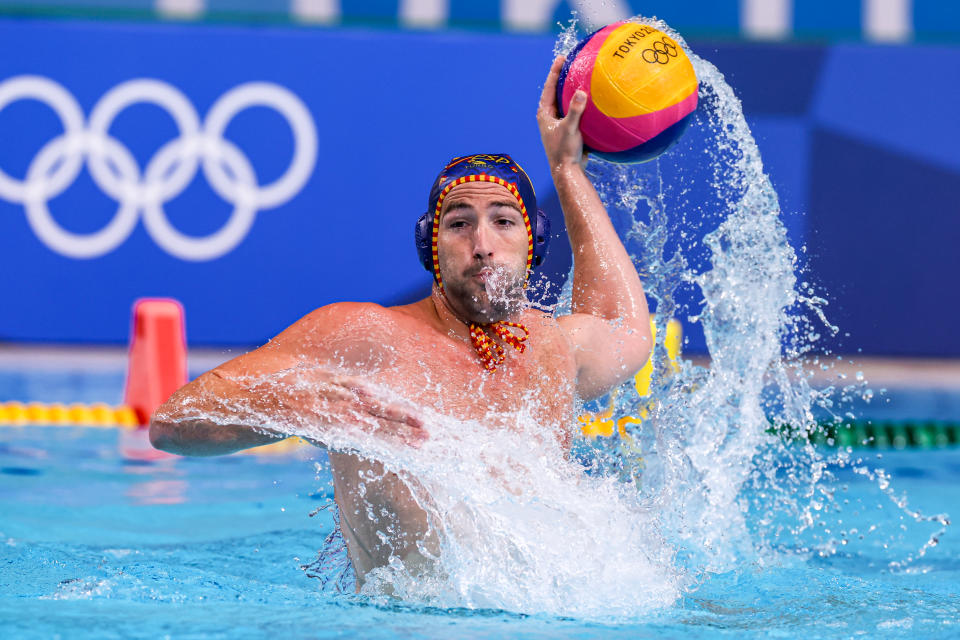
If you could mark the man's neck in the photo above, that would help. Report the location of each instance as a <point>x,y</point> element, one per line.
<point>451,321</point>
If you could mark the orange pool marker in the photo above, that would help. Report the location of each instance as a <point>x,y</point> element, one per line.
<point>158,355</point>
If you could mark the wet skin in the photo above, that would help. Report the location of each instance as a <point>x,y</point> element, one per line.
<point>327,371</point>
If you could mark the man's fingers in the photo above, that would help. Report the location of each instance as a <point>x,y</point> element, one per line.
<point>412,436</point>
<point>400,429</point>
<point>354,384</point>
<point>367,399</point>
<point>548,99</point>
<point>391,415</point>
<point>327,392</point>
<point>402,416</point>
<point>363,407</point>
<point>577,106</point>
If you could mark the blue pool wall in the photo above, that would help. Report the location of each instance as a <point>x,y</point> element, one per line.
<point>861,141</point>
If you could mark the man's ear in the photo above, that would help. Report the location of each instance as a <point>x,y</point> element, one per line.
<point>423,236</point>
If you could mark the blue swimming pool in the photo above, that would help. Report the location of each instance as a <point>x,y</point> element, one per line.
<point>98,541</point>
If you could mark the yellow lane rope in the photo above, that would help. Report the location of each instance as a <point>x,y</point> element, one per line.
<point>74,415</point>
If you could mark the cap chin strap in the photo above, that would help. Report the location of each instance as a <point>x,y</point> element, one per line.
<point>490,351</point>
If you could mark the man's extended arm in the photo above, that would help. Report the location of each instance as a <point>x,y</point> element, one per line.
<point>610,323</point>
<point>286,385</point>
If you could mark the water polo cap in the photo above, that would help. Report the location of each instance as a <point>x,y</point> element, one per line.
<point>498,168</point>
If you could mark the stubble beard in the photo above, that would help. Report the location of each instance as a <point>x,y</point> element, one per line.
<point>499,297</point>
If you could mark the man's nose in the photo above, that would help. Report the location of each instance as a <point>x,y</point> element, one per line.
<point>482,247</point>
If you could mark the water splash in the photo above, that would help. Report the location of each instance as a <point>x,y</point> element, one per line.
<point>729,489</point>
<point>523,529</point>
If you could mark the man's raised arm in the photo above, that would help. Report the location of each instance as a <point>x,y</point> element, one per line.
<point>288,383</point>
<point>610,323</point>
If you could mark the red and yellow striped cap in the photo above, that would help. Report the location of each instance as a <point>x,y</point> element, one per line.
<point>498,168</point>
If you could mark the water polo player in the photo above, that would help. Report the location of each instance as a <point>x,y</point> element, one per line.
<point>472,350</point>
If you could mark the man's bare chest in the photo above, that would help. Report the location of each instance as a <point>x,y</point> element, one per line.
<point>450,378</point>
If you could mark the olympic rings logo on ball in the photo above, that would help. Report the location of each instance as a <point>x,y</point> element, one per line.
<point>115,171</point>
<point>661,52</point>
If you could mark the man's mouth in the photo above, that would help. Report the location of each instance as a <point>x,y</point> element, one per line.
<point>483,274</point>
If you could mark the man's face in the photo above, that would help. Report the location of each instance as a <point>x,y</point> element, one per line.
<point>482,247</point>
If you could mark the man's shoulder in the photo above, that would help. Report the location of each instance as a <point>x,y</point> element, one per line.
<point>348,333</point>
<point>331,317</point>
<point>345,309</point>
<point>538,317</point>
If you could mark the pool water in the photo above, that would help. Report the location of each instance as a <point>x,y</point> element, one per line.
<point>96,541</point>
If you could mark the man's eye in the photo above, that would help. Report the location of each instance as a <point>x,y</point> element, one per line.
<point>505,222</point>
<point>457,224</point>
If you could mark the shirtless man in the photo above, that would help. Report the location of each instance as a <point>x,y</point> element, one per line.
<point>473,333</point>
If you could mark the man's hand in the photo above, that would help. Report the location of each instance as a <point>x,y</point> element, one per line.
<point>358,403</point>
<point>561,137</point>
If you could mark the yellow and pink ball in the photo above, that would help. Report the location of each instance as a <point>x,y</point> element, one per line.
<point>641,91</point>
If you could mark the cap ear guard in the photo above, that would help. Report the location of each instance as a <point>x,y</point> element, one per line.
<point>422,233</point>
<point>541,238</point>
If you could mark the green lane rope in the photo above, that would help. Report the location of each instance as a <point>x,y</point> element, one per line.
<point>878,434</point>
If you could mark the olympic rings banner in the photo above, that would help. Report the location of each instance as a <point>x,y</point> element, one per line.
<point>114,170</point>
<point>254,174</point>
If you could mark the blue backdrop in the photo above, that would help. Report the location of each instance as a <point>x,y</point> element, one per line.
<point>860,140</point>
